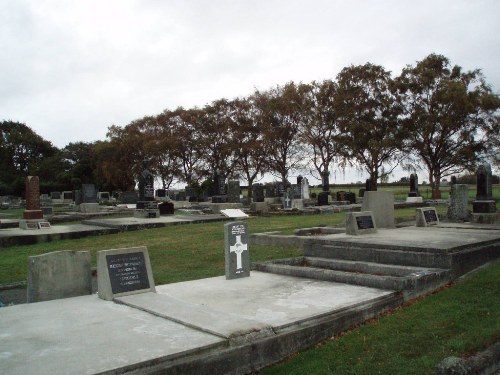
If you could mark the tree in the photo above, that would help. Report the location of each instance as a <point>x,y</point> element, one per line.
<point>447,113</point>
<point>321,130</point>
<point>187,144</point>
<point>248,142</point>
<point>23,153</point>
<point>80,162</point>
<point>368,118</point>
<point>216,138</point>
<point>281,116</point>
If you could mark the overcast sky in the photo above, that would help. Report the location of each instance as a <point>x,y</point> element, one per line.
<point>69,69</point>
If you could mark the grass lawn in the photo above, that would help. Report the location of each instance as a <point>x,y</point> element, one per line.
<point>456,321</point>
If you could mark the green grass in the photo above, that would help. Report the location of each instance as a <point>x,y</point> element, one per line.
<point>457,321</point>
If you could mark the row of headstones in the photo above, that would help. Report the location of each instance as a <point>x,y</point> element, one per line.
<point>120,272</point>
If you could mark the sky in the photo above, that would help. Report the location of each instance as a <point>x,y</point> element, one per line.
<point>70,69</point>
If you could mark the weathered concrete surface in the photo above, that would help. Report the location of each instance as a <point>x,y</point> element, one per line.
<point>86,335</point>
<point>16,236</point>
<point>256,320</point>
<point>271,299</point>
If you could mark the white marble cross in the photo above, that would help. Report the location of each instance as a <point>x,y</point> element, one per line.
<point>287,201</point>
<point>238,248</point>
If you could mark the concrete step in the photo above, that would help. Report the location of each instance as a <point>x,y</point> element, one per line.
<point>411,281</point>
<point>381,255</point>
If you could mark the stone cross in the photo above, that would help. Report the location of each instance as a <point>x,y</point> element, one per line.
<point>238,248</point>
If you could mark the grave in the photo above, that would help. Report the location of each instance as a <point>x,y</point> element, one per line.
<point>128,197</point>
<point>484,203</point>
<point>237,254</point>
<point>258,192</point>
<point>161,195</point>
<point>67,196</point>
<point>426,216</point>
<point>123,272</point>
<point>146,206</point>
<point>55,195</point>
<point>60,274</point>
<point>358,223</point>
<point>166,208</point>
<point>103,197</point>
<point>89,199</point>
<point>287,199</point>
<point>304,188</point>
<point>233,191</point>
<point>459,198</point>
<point>381,204</point>
<point>33,215</point>
<point>323,198</point>
<point>414,195</point>
<point>297,204</point>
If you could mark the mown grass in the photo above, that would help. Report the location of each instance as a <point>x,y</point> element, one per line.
<point>457,321</point>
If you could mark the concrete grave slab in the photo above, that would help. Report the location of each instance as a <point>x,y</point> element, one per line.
<point>86,335</point>
<point>381,203</point>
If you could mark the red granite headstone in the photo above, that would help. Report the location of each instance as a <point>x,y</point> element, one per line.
<point>32,211</point>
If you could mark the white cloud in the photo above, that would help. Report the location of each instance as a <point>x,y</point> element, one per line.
<point>69,69</point>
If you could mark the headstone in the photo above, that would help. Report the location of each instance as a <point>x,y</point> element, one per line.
<point>47,211</point>
<point>459,198</point>
<point>299,180</point>
<point>123,272</point>
<point>280,189</point>
<point>361,192</point>
<point>350,197</point>
<point>381,204</point>
<point>261,207</point>
<point>67,196</point>
<point>287,199</point>
<point>55,195</point>
<point>484,203</point>
<point>258,192</point>
<point>413,186</point>
<point>103,196</point>
<point>77,194</point>
<point>233,191</point>
<point>323,198</point>
<point>237,254</point>
<point>297,204</point>
<point>59,274</point>
<point>360,223</point>
<point>146,206</point>
<point>161,193</point>
<point>426,216</point>
<point>166,208</point>
<point>305,188</point>
<point>146,183</point>
<point>189,192</point>
<point>340,196</point>
<point>453,180</point>
<point>89,193</point>
<point>32,189</point>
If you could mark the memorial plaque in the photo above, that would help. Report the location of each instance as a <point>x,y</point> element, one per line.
<point>237,256</point>
<point>123,272</point>
<point>364,222</point>
<point>127,272</point>
<point>430,215</point>
<point>426,216</point>
<point>43,225</point>
<point>360,223</point>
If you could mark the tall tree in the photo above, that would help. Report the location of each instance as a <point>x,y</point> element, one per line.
<point>23,153</point>
<point>187,144</point>
<point>368,114</point>
<point>447,112</point>
<point>216,138</point>
<point>248,142</point>
<point>281,116</point>
<point>321,132</point>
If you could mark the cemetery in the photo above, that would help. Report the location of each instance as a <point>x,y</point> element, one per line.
<point>342,273</point>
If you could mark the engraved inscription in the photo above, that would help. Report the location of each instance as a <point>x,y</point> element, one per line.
<point>127,272</point>
<point>430,216</point>
<point>364,222</point>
